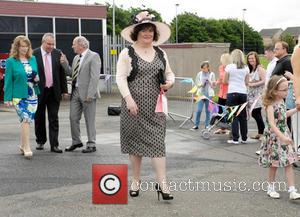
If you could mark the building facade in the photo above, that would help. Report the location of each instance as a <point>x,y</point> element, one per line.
<point>65,21</point>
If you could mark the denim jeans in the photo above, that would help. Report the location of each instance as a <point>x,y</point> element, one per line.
<point>239,122</point>
<point>199,111</point>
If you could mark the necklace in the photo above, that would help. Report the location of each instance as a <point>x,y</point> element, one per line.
<point>147,50</point>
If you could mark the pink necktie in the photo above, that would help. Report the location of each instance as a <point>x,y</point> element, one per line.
<point>48,73</point>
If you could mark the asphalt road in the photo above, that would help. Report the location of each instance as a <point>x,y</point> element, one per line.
<point>61,184</point>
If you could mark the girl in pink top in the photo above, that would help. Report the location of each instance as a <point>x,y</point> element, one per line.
<point>225,60</point>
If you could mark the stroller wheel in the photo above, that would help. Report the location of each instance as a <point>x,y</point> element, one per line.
<point>205,134</point>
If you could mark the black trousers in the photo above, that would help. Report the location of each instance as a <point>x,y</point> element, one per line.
<point>239,122</point>
<point>256,114</point>
<point>49,103</point>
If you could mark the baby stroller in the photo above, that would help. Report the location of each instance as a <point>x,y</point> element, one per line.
<point>217,120</point>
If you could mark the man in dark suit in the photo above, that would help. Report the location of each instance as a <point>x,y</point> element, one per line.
<point>52,86</point>
<point>283,66</point>
<point>85,72</point>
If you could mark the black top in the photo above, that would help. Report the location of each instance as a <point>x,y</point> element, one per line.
<point>282,65</point>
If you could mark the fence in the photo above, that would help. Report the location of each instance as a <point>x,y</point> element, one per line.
<point>180,102</point>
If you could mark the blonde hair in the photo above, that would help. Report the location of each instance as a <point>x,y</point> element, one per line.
<point>238,58</point>
<point>14,51</point>
<point>225,59</point>
<point>270,93</point>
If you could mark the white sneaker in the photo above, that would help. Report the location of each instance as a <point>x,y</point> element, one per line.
<point>257,152</point>
<point>194,128</point>
<point>232,142</point>
<point>274,194</point>
<point>294,196</point>
<point>244,141</point>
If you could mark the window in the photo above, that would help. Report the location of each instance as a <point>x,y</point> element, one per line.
<point>12,24</point>
<point>5,42</point>
<point>64,43</point>
<point>66,25</point>
<point>39,25</point>
<point>91,26</point>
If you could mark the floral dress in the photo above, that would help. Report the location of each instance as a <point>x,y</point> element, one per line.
<point>26,108</point>
<point>254,93</point>
<point>273,152</point>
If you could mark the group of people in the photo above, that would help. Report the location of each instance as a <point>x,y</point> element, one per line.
<point>246,81</point>
<point>35,82</point>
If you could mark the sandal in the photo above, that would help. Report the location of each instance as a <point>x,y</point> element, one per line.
<point>256,136</point>
<point>219,131</point>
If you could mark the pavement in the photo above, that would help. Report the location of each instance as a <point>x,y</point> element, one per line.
<point>225,179</point>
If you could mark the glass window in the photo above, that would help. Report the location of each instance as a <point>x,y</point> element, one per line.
<point>64,43</point>
<point>39,25</point>
<point>5,42</point>
<point>12,24</point>
<point>36,40</point>
<point>91,26</point>
<point>66,25</point>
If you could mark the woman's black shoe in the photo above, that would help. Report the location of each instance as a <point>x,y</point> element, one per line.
<point>165,196</point>
<point>133,193</point>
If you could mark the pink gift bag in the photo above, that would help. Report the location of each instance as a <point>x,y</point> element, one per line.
<point>162,103</point>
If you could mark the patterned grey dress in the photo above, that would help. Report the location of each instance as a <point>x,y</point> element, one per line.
<point>144,134</point>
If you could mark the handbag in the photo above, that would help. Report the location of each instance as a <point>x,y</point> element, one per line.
<point>113,110</point>
<point>162,103</point>
<point>161,77</point>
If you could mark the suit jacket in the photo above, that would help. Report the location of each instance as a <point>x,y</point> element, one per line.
<point>282,65</point>
<point>58,73</point>
<point>88,75</point>
<point>15,84</point>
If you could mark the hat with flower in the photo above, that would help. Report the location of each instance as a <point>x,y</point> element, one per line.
<point>163,29</point>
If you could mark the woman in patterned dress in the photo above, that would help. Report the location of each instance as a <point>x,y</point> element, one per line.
<point>142,130</point>
<point>277,145</point>
<point>20,88</point>
<point>256,86</point>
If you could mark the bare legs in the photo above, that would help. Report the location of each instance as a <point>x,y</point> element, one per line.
<point>25,146</point>
<point>136,162</point>
<point>290,177</point>
<point>289,173</point>
<point>159,165</point>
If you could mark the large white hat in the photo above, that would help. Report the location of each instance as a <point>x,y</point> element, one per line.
<point>163,29</point>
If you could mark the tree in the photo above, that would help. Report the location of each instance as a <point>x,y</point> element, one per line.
<point>190,28</point>
<point>124,18</point>
<point>288,38</point>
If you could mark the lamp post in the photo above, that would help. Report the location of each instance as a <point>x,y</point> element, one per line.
<point>176,30</point>
<point>114,25</point>
<point>244,10</point>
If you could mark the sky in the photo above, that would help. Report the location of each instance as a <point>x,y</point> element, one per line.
<point>259,14</point>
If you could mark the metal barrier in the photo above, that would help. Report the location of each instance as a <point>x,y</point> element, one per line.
<point>180,102</point>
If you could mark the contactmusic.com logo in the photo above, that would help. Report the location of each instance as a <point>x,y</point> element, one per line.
<point>110,183</point>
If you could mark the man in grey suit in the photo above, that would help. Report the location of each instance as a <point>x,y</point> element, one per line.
<point>85,73</point>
